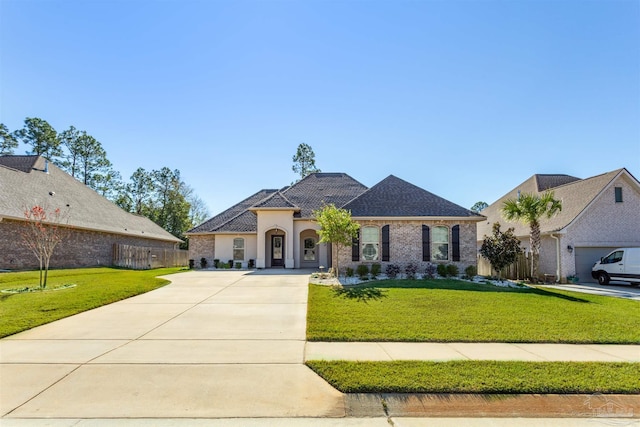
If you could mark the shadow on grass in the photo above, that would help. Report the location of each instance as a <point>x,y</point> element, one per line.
<point>368,291</point>
<point>359,293</point>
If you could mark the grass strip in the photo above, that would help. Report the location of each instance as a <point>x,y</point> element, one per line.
<point>445,310</point>
<point>94,287</point>
<point>505,377</point>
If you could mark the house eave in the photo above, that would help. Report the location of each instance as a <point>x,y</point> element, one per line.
<point>419,218</point>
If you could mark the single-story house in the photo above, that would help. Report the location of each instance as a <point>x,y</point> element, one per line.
<point>399,223</point>
<point>93,224</point>
<point>598,214</point>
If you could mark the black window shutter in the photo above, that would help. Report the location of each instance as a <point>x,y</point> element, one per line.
<point>385,243</point>
<point>426,244</point>
<point>355,248</point>
<point>455,240</point>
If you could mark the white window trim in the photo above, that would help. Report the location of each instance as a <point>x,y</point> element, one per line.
<point>433,243</point>
<point>238,248</point>
<point>376,244</point>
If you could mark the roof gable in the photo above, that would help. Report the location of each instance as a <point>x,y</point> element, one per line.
<point>275,201</point>
<point>394,197</point>
<point>576,196</point>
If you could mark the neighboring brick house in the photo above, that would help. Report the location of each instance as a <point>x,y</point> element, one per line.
<point>400,224</point>
<point>598,214</point>
<point>94,224</point>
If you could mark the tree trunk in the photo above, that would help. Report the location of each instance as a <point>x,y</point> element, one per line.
<point>535,249</point>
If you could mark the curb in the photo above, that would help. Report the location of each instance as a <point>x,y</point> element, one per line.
<point>493,405</point>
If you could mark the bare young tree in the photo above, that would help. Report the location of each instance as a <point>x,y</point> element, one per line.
<point>41,234</point>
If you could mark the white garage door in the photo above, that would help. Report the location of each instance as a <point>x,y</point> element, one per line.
<point>585,258</point>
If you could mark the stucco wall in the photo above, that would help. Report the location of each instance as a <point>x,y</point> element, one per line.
<point>405,244</point>
<point>224,247</point>
<point>268,222</point>
<point>80,248</point>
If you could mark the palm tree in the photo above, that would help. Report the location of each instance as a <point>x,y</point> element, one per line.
<point>529,209</point>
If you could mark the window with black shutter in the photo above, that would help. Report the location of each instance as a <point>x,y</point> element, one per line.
<point>385,243</point>
<point>455,240</point>
<point>426,244</point>
<point>355,248</point>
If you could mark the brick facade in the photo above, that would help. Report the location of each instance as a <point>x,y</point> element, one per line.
<point>202,246</point>
<point>405,245</point>
<point>80,248</point>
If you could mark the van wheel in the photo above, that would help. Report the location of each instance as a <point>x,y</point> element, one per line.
<point>603,278</point>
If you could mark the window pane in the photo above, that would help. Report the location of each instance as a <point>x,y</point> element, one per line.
<point>370,251</point>
<point>238,243</point>
<point>370,235</point>
<point>309,249</point>
<point>238,254</point>
<point>440,244</point>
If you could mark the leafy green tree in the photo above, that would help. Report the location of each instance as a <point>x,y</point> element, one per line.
<point>85,159</point>
<point>137,195</point>
<point>41,137</point>
<point>8,141</point>
<point>337,228</point>
<point>479,206</point>
<point>304,161</point>
<point>529,209</point>
<point>501,248</point>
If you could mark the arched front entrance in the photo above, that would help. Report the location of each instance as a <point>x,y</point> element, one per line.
<point>276,249</point>
<point>309,249</point>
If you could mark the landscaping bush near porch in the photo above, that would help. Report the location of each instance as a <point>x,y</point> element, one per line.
<point>480,377</point>
<point>94,287</point>
<point>458,311</point>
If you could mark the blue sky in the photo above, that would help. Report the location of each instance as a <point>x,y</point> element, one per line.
<point>463,98</point>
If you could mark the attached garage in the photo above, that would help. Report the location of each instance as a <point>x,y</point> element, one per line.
<point>585,258</point>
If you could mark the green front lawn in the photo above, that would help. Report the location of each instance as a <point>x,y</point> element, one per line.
<point>94,287</point>
<point>457,311</point>
<point>480,377</point>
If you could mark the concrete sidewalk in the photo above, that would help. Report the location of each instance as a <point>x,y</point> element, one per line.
<point>388,351</point>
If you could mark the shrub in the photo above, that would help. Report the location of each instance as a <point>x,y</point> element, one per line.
<point>203,262</point>
<point>430,271</point>
<point>238,265</point>
<point>230,263</point>
<point>392,271</point>
<point>452,270</point>
<point>375,270</point>
<point>216,263</point>
<point>252,263</point>
<point>411,269</point>
<point>192,263</point>
<point>349,272</point>
<point>442,270</point>
<point>363,271</point>
<point>470,272</point>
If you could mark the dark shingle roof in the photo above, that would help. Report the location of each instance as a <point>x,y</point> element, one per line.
<point>546,182</point>
<point>23,163</point>
<point>215,223</point>
<point>393,197</point>
<point>318,189</point>
<point>24,183</point>
<point>276,200</point>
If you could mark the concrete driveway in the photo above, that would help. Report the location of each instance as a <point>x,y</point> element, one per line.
<point>210,344</point>
<point>615,289</point>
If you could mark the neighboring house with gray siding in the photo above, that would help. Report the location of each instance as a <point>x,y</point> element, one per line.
<point>598,214</point>
<point>400,224</point>
<point>94,224</point>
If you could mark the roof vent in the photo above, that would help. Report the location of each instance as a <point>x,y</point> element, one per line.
<point>46,166</point>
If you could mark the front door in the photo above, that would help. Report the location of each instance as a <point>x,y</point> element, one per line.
<point>277,251</point>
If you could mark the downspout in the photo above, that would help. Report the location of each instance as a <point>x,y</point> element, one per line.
<point>557,239</point>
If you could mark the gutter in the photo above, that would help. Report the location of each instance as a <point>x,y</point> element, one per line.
<point>557,239</point>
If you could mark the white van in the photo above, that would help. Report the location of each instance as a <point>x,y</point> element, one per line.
<point>622,264</point>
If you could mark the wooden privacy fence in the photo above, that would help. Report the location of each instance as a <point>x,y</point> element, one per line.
<point>519,270</point>
<point>142,258</point>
